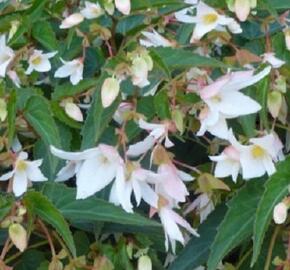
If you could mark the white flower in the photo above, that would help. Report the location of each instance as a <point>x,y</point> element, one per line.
<point>259,157</point>
<point>122,111</point>
<point>6,56</point>
<point>206,20</point>
<point>24,171</point>
<point>170,184</point>
<point>228,162</point>
<point>73,69</point>
<point>280,213</point>
<point>92,10</point>
<point>131,178</point>
<point>139,71</point>
<point>72,20</point>
<point>224,101</point>
<point>204,206</point>
<point>94,168</point>
<point>39,61</point>
<point>272,60</point>
<point>154,39</point>
<point>170,221</point>
<point>124,6</point>
<point>109,92</point>
<point>158,133</point>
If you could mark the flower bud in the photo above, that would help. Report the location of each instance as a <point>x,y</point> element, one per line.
<point>110,91</point>
<point>274,103</point>
<point>3,109</point>
<point>144,263</point>
<point>280,213</point>
<point>72,20</point>
<point>124,6</point>
<point>73,111</point>
<point>18,236</point>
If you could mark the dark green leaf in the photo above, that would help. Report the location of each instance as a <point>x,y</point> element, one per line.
<point>39,205</point>
<point>238,222</point>
<point>162,105</point>
<point>197,250</point>
<point>275,189</point>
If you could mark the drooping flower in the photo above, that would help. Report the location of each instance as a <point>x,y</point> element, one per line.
<point>6,56</point>
<point>94,168</point>
<point>224,101</point>
<point>39,61</point>
<point>171,222</point>
<point>109,92</point>
<point>154,39</point>
<point>92,10</point>
<point>73,69</point>
<point>23,173</point>
<point>124,6</point>
<point>258,158</point>
<point>158,133</point>
<point>206,20</point>
<point>14,78</point>
<point>272,60</point>
<point>131,178</point>
<point>71,21</point>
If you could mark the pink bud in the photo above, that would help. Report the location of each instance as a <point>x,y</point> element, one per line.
<point>124,6</point>
<point>280,213</point>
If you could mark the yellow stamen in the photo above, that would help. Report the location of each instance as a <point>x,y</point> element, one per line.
<point>36,60</point>
<point>258,151</point>
<point>210,18</point>
<point>216,99</point>
<point>21,165</point>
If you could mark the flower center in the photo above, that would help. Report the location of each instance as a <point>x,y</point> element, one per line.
<point>258,151</point>
<point>209,18</point>
<point>21,165</point>
<point>36,60</point>
<point>216,99</point>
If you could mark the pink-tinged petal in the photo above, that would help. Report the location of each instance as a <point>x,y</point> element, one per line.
<point>89,153</point>
<point>72,20</point>
<point>214,88</point>
<point>242,9</point>
<point>20,183</point>
<point>142,147</point>
<point>184,176</point>
<point>124,6</point>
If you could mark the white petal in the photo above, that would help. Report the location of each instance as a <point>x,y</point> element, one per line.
<point>124,6</point>
<point>67,172</point>
<point>19,183</point>
<point>149,195</point>
<point>7,176</point>
<point>142,147</point>
<point>34,173</point>
<point>89,153</point>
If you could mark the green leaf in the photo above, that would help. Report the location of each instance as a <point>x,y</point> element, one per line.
<point>275,190</point>
<point>5,205</point>
<point>44,34</point>
<point>162,105</point>
<point>38,204</point>
<point>30,259</point>
<point>11,108</point>
<point>238,222</point>
<point>38,114</point>
<point>67,89</point>
<point>98,118</point>
<point>279,4</point>
<point>179,58</point>
<point>159,61</point>
<point>197,250</point>
<point>91,209</point>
